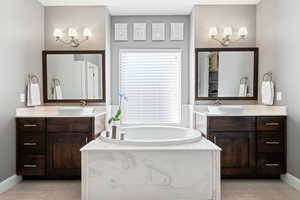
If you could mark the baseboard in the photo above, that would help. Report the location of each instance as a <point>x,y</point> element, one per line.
<point>9,183</point>
<point>291,180</point>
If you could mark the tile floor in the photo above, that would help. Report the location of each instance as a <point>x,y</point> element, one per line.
<point>231,190</point>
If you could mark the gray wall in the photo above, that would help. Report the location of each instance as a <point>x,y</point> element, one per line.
<point>206,16</point>
<point>21,39</point>
<point>278,28</point>
<point>79,17</point>
<point>221,16</point>
<point>130,44</point>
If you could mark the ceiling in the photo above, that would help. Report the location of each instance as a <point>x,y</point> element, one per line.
<point>146,7</point>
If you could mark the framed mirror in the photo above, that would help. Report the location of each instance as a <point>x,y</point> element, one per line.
<point>226,73</point>
<point>74,76</point>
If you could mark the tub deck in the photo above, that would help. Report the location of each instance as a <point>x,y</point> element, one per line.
<point>177,172</point>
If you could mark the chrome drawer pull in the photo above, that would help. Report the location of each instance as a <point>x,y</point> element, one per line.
<point>30,166</point>
<point>272,165</point>
<point>272,124</point>
<point>30,144</point>
<point>273,143</point>
<point>30,125</point>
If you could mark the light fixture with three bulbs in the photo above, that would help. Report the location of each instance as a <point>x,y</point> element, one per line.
<point>227,33</point>
<point>73,35</point>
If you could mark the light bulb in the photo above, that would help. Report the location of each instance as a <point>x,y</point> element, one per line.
<point>213,32</point>
<point>227,31</point>
<point>58,33</point>
<point>72,32</point>
<point>243,31</point>
<point>87,33</point>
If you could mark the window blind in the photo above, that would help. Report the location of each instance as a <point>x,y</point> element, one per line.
<point>151,79</point>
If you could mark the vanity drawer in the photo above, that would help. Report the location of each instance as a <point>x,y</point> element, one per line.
<point>69,125</point>
<point>270,164</point>
<point>31,124</point>
<point>32,144</point>
<point>270,142</point>
<point>270,123</point>
<point>231,124</point>
<point>33,165</point>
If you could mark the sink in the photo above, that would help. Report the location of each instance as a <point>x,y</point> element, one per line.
<point>75,110</point>
<point>225,109</point>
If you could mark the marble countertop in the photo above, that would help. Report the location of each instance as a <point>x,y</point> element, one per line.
<point>52,112</point>
<point>203,145</point>
<point>249,110</point>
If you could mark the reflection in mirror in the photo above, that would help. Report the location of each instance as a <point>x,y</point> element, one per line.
<point>223,74</point>
<point>75,76</point>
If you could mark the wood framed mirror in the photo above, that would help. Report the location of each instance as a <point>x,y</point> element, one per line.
<point>226,74</point>
<point>74,76</point>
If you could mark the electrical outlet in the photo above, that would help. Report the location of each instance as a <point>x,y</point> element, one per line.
<point>22,98</point>
<point>279,96</point>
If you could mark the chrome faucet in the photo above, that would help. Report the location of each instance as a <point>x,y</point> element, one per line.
<point>83,103</point>
<point>218,102</point>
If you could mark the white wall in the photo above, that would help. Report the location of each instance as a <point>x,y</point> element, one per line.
<point>205,16</point>
<point>79,17</point>
<point>21,39</point>
<point>149,44</point>
<point>278,28</point>
<point>97,18</point>
<point>221,16</point>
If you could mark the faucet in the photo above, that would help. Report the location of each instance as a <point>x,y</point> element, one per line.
<point>83,103</point>
<point>218,102</point>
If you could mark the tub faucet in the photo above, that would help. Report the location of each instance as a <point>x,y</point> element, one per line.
<point>122,136</point>
<point>218,102</point>
<point>83,103</point>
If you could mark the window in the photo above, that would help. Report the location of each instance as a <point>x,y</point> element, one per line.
<point>151,79</point>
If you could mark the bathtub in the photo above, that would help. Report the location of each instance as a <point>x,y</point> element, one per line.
<point>154,136</point>
<point>157,162</point>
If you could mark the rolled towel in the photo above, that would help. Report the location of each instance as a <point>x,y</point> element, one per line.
<point>57,92</point>
<point>243,90</point>
<point>267,92</point>
<point>33,94</point>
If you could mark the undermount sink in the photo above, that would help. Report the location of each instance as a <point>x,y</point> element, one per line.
<point>225,109</point>
<point>75,110</point>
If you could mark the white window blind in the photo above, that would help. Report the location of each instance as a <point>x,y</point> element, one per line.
<point>151,79</point>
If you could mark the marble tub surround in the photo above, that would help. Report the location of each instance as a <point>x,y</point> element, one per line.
<point>248,110</point>
<point>53,111</point>
<point>177,172</point>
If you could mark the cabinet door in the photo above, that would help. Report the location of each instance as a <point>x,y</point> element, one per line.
<point>64,157</point>
<point>238,152</point>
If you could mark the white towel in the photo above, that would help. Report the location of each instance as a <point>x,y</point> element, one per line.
<point>267,92</point>
<point>57,92</point>
<point>243,90</point>
<point>33,94</point>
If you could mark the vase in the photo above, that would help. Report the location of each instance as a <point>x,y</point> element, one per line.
<point>114,129</point>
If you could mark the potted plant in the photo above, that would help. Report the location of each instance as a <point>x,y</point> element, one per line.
<point>115,120</point>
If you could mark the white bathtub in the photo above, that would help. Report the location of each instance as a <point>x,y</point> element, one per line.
<point>154,136</point>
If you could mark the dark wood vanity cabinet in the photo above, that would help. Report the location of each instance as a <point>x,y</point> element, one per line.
<point>251,146</point>
<point>50,147</point>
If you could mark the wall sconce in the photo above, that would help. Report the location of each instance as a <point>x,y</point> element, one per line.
<point>72,34</point>
<point>227,33</point>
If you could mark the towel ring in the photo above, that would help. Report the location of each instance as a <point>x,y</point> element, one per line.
<point>33,78</point>
<point>267,75</point>
<point>56,82</point>
<point>245,79</point>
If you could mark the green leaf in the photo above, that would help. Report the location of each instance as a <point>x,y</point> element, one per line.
<point>118,114</point>
<point>110,120</point>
